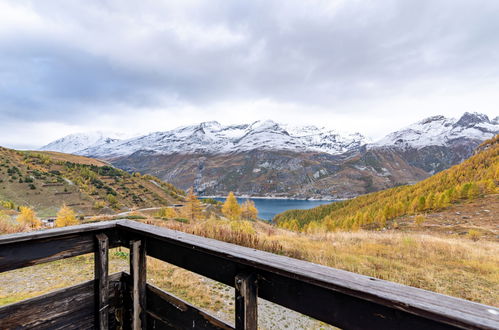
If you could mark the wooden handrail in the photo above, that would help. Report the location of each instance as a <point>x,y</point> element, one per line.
<point>337,297</point>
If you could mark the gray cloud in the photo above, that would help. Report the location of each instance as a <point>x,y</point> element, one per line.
<point>63,60</point>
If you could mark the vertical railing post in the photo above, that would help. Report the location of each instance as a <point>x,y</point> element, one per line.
<point>138,272</point>
<point>246,302</point>
<point>101,270</point>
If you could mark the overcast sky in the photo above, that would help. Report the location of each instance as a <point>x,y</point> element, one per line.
<point>139,66</point>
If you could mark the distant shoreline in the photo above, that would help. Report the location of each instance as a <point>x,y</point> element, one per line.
<point>282,198</point>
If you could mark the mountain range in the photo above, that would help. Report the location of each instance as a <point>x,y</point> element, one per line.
<point>266,158</point>
<point>213,138</point>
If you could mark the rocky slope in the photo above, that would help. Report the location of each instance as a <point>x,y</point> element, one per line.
<point>278,173</point>
<point>270,159</point>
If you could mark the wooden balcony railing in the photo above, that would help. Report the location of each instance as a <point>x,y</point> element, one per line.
<point>126,301</point>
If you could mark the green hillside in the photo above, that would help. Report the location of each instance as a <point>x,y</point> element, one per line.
<point>45,181</point>
<point>475,177</point>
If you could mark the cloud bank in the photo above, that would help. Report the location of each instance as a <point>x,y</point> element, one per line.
<point>132,66</point>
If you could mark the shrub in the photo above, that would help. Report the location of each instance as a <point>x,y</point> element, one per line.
<point>419,219</point>
<point>474,235</point>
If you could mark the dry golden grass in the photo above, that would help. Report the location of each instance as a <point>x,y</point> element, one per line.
<point>458,267</point>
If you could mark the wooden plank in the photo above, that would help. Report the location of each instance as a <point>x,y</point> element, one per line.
<point>101,269</point>
<point>56,232</point>
<point>69,308</point>
<point>246,302</point>
<point>138,272</point>
<point>339,309</point>
<point>221,261</point>
<point>45,248</point>
<point>165,311</point>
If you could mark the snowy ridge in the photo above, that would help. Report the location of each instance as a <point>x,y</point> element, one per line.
<point>75,143</point>
<point>214,138</point>
<point>441,131</point>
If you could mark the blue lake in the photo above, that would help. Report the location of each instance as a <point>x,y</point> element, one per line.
<point>268,208</point>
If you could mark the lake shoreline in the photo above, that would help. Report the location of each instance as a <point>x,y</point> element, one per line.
<point>269,207</point>
<point>327,199</point>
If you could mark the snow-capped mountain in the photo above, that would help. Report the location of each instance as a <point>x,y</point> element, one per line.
<point>75,143</point>
<point>437,143</point>
<point>265,158</point>
<point>214,138</point>
<point>442,131</point>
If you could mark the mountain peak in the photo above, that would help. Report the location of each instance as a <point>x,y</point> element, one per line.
<point>211,124</point>
<point>76,142</point>
<point>469,119</point>
<point>440,131</point>
<point>431,119</point>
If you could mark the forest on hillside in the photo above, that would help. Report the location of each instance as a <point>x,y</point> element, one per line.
<point>475,177</point>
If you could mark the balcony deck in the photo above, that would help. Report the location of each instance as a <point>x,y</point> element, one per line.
<point>125,301</point>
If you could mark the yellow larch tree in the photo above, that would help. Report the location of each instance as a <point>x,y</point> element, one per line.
<point>28,217</point>
<point>66,217</point>
<point>249,210</point>
<point>231,208</point>
<point>193,209</point>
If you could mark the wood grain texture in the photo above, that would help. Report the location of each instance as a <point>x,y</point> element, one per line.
<point>69,308</point>
<point>246,302</point>
<point>138,271</point>
<point>56,232</point>
<point>44,248</point>
<point>101,269</point>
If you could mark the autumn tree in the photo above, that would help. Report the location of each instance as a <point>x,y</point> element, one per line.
<point>249,210</point>
<point>66,217</point>
<point>231,208</point>
<point>193,209</point>
<point>293,225</point>
<point>28,217</point>
<point>167,213</point>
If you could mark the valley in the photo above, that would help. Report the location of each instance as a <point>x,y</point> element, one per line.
<point>272,165</point>
<point>453,250</point>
